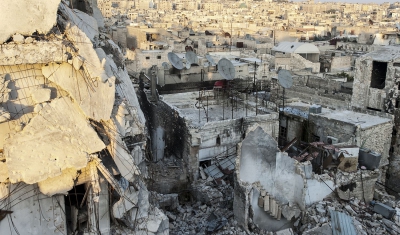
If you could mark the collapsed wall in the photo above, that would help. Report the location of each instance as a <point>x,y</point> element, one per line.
<point>170,147</point>
<point>271,189</point>
<point>70,124</point>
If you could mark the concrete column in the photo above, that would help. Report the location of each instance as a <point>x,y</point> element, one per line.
<point>260,201</point>
<point>272,207</point>
<point>278,216</point>
<point>266,203</point>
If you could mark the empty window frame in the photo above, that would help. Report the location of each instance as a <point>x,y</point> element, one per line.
<point>378,75</point>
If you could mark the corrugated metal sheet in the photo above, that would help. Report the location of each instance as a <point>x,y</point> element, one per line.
<point>296,47</point>
<point>342,224</point>
<point>228,163</point>
<point>214,172</point>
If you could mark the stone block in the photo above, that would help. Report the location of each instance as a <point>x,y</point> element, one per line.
<point>41,95</point>
<point>348,164</point>
<point>18,38</point>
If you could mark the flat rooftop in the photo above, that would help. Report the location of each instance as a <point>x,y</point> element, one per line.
<point>189,107</point>
<point>363,120</point>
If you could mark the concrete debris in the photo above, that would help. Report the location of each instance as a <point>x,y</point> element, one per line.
<point>366,221</point>
<point>287,231</point>
<point>22,18</point>
<point>118,150</point>
<point>38,52</point>
<point>86,23</point>
<point>126,202</point>
<point>386,211</point>
<point>359,184</point>
<point>94,70</point>
<point>325,229</point>
<point>66,141</point>
<point>3,172</point>
<point>98,97</point>
<point>29,40</point>
<point>207,194</point>
<point>165,201</point>
<point>57,93</point>
<point>348,164</point>
<point>18,38</point>
<point>60,184</point>
<point>41,95</point>
<point>215,223</point>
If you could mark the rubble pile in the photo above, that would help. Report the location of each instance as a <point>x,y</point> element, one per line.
<point>209,212</point>
<point>318,217</point>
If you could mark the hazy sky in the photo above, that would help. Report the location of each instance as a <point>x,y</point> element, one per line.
<point>355,1</point>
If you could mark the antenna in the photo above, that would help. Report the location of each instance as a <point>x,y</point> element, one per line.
<point>226,69</point>
<point>211,60</point>
<point>285,79</point>
<point>191,58</point>
<point>165,65</point>
<point>175,60</point>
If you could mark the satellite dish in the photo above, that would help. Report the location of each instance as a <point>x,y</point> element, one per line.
<point>226,69</point>
<point>187,65</point>
<point>191,57</point>
<point>175,60</point>
<point>165,65</point>
<point>206,64</point>
<point>285,78</point>
<point>211,60</point>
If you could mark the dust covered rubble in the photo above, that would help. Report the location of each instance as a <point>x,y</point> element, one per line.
<point>208,211</point>
<point>317,217</point>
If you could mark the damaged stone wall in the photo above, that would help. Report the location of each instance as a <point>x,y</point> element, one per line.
<point>30,211</point>
<point>376,138</point>
<point>220,138</point>
<point>383,100</point>
<point>271,187</point>
<point>340,63</point>
<point>321,127</point>
<point>359,184</point>
<point>364,95</point>
<point>66,113</point>
<point>319,96</point>
<point>295,128</point>
<point>170,146</point>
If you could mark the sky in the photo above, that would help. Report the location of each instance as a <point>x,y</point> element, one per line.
<point>355,1</point>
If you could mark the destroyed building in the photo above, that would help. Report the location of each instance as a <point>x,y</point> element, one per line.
<point>196,129</point>
<point>87,148</point>
<point>66,111</point>
<point>376,88</point>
